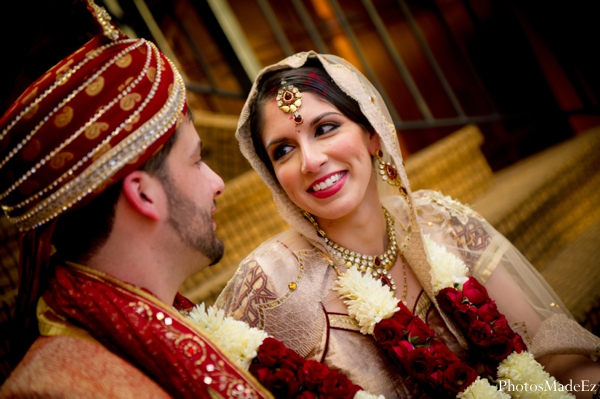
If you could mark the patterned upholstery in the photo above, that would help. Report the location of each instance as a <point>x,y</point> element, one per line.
<point>220,149</point>
<point>453,165</point>
<point>544,202</point>
<point>575,275</point>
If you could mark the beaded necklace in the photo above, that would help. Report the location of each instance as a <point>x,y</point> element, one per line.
<point>378,265</point>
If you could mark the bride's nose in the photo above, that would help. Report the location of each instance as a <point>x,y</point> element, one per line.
<point>312,158</point>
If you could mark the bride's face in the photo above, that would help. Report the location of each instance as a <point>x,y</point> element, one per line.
<point>324,164</point>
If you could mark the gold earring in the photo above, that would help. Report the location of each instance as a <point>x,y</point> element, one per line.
<point>388,173</point>
<point>289,99</point>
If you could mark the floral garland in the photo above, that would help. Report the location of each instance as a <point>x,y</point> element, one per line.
<point>412,345</point>
<point>281,370</point>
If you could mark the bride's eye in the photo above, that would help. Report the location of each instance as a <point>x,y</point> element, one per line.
<point>325,128</point>
<point>281,151</point>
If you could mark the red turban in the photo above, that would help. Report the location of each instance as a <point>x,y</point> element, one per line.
<point>96,116</point>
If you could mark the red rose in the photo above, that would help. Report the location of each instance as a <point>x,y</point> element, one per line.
<point>465,314</point>
<point>419,363</point>
<point>480,333</point>
<point>313,373</point>
<point>292,360</point>
<point>259,371</point>
<point>388,332</point>
<point>441,354</point>
<point>401,349</point>
<point>271,352</point>
<point>474,291</point>
<point>306,395</point>
<point>337,386</point>
<point>458,376</point>
<point>488,312</point>
<point>501,327</point>
<point>436,378</point>
<point>282,383</point>
<point>499,348</point>
<point>518,344</point>
<point>449,299</point>
<point>418,332</point>
<point>403,316</point>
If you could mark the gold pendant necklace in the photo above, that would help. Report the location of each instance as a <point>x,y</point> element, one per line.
<point>379,265</point>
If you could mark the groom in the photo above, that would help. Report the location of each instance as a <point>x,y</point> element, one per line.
<point>101,170</point>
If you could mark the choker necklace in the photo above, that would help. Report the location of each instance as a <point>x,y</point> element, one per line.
<point>378,265</point>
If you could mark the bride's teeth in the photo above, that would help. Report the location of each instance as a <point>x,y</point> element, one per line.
<point>327,183</point>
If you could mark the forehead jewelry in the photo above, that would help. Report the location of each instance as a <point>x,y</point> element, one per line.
<point>289,99</point>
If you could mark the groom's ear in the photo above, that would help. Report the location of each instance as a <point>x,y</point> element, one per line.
<point>144,194</point>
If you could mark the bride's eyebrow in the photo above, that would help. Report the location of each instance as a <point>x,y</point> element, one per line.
<point>318,118</point>
<point>274,142</point>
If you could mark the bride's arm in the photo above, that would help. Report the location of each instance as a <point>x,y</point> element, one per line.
<point>520,292</point>
<point>569,369</point>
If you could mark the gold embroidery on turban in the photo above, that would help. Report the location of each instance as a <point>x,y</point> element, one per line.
<point>102,150</point>
<point>125,61</point>
<point>32,150</point>
<point>128,102</point>
<point>59,160</point>
<point>31,112</point>
<point>29,97</point>
<point>95,87</point>
<point>62,71</point>
<point>124,85</point>
<point>128,127</point>
<point>151,74</point>
<point>64,117</point>
<point>94,130</point>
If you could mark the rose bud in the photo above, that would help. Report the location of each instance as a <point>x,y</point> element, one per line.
<point>271,352</point>
<point>474,291</point>
<point>480,333</point>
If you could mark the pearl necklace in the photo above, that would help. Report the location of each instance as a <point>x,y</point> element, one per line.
<point>378,265</point>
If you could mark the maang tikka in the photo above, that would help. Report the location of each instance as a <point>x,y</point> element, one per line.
<point>289,99</point>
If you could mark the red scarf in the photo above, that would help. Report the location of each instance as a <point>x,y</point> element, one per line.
<point>155,337</point>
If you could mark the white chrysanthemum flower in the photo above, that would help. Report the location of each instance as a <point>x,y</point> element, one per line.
<point>235,337</point>
<point>367,395</point>
<point>446,268</point>
<point>520,370</point>
<point>368,301</point>
<point>481,388</point>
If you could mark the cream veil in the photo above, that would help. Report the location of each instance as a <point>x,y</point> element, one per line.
<point>558,332</point>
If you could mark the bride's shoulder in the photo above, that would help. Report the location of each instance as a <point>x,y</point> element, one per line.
<point>279,250</point>
<point>434,205</point>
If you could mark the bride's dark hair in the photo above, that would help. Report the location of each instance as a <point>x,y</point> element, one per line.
<point>310,78</point>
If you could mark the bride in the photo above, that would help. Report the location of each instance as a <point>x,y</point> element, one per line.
<point>322,139</point>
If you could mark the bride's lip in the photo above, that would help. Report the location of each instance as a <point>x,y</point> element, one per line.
<point>329,191</point>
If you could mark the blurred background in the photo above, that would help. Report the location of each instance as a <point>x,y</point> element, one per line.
<point>523,71</point>
<point>496,102</point>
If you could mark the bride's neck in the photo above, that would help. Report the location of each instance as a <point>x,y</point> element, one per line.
<point>362,231</point>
